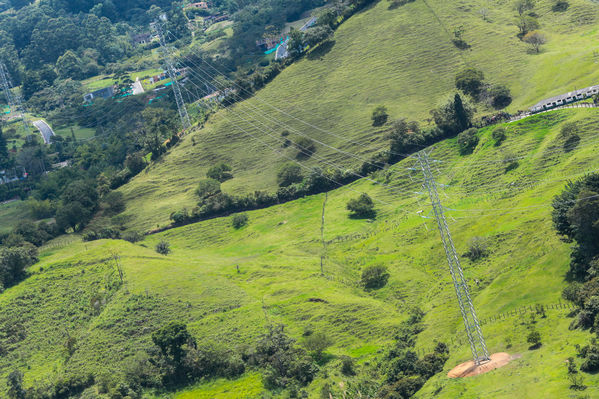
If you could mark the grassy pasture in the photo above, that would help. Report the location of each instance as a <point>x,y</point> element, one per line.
<point>403,58</point>
<point>278,254</point>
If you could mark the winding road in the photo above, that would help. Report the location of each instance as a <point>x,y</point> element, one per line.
<point>45,130</point>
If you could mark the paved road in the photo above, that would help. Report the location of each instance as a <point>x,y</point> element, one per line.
<point>45,130</point>
<point>137,87</point>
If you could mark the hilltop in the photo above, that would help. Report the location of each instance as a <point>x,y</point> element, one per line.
<point>402,58</point>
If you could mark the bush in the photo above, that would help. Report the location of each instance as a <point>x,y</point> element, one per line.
<point>361,207</point>
<point>467,141</point>
<point>305,147</point>
<point>239,220</point>
<point>499,135</point>
<point>220,172</point>
<point>347,366</point>
<point>501,96</point>
<point>163,248</point>
<point>208,188</point>
<point>379,116</point>
<point>317,343</point>
<point>470,81</point>
<point>534,339</point>
<point>374,277</point>
<point>132,236</point>
<point>135,163</point>
<point>180,217</point>
<point>288,174</point>
<point>477,249</point>
<point>560,6</point>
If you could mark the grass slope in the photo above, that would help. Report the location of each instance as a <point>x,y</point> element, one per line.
<point>403,58</point>
<point>73,290</point>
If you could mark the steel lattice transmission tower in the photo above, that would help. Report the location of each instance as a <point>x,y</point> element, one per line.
<point>159,27</point>
<point>13,100</point>
<point>473,330</point>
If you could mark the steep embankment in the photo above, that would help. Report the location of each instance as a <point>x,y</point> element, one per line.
<point>75,291</point>
<point>403,58</point>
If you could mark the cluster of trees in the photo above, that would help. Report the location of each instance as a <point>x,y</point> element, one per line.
<point>576,219</point>
<point>528,23</point>
<point>472,82</point>
<point>404,372</point>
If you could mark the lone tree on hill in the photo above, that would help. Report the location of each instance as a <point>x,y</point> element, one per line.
<point>536,39</point>
<point>361,207</point>
<point>379,116</point>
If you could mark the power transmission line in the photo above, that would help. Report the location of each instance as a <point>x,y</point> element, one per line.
<point>170,67</point>
<point>474,333</point>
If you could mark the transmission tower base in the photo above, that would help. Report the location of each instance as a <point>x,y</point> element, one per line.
<point>470,369</point>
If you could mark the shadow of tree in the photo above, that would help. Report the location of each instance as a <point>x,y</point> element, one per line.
<point>321,50</point>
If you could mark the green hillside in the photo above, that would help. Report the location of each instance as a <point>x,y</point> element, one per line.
<point>75,291</point>
<point>403,58</point>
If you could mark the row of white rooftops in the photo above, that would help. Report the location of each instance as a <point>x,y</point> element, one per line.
<point>564,99</point>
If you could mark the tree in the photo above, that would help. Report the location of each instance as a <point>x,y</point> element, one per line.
<point>522,6</point>
<point>454,116</point>
<point>295,45</point>
<point>305,147</point>
<point>69,66</point>
<point>15,385</point>
<point>208,188</point>
<point>163,247</point>
<point>14,261</point>
<point>135,163</point>
<point>220,172</point>
<point>374,277</point>
<point>470,81</point>
<point>536,39</point>
<point>379,116</point>
<point>361,207</point>
<point>240,220</point>
<point>527,24</point>
<point>534,339</point>
<point>288,174</point>
<point>158,125</point>
<point>501,96</point>
<point>170,340</point>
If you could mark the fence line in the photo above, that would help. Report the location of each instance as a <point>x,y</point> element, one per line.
<point>535,308</point>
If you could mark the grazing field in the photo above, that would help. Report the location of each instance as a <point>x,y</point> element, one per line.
<point>228,284</point>
<point>401,57</point>
<point>10,214</point>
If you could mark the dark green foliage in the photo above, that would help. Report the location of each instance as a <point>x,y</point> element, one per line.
<point>534,339</point>
<point>477,249</point>
<point>379,116</point>
<point>560,6</point>
<point>208,188</point>
<point>347,366</point>
<point>590,356</point>
<point>170,339</point>
<point>15,385</point>
<point>220,172</point>
<point>470,81</point>
<point>163,247</point>
<point>527,24</point>
<point>13,262</point>
<point>406,137</point>
<point>285,363</point>
<point>454,116</point>
<point>305,147</point>
<point>499,135</point>
<point>132,236</point>
<point>361,207</point>
<point>500,96</point>
<point>179,217</point>
<point>135,163</point>
<point>317,343</point>
<point>288,174</point>
<point>78,204</point>
<point>239,220</point>
<point>374,277</point>
<point>3,151</point>
<point>467,141</point>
